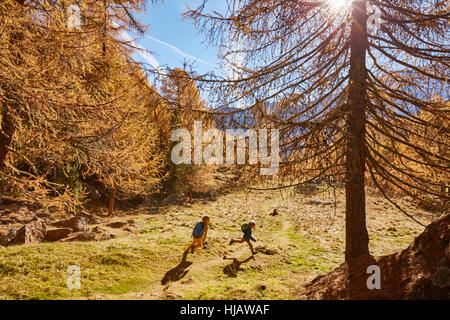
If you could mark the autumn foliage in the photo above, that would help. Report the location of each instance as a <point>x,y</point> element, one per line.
<point>76,107</point>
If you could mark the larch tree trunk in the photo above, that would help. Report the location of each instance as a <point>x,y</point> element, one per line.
<point>356,236</point>
<point>112,197</point>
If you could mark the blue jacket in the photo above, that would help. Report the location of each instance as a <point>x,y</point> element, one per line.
<point>198,230</point>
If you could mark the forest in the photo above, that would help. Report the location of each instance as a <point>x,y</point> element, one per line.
<point>324,134</point>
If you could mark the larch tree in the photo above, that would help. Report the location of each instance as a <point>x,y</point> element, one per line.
<point>342,80</point>
<point>72,99</point>
<point>184,105</point>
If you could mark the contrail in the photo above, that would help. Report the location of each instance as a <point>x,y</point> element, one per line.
<point>178,51</point>
<point>142,51</point>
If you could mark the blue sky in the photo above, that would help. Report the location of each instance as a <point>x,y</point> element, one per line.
<point>173,41</point>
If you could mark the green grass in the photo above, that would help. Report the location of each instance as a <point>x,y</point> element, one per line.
<point>135,264</point>
<point>39,271</point>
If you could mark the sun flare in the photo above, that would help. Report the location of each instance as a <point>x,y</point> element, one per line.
<point>338,4</point>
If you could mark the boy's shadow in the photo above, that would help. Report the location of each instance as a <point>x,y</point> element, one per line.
<point>178,272</point>
<point>232,269</point>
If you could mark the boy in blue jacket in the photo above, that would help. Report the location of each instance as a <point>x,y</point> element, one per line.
<point>247,229</point>
<point>199,234</point>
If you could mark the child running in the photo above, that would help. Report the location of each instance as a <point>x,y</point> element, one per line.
<point>247,229</point>
<point>199,234</point>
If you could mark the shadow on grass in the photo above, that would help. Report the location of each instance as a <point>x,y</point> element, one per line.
<point>232,269</point>
<point>178,272</point>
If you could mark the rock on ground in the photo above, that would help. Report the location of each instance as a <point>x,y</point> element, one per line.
<point>32,232</point>
<point>77,223</point>
<point>5,239</point>
<point>117,224</point>
<point>57,234</point>
<point>149,202</point>
<point>14,213</point>
<point>421,271</point>
<point>174,199</point>
<point>90,218</point>
<point>321,202</point>
<point>80,236</point>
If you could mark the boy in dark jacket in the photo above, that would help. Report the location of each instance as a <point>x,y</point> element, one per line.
<point>199,234</point>
<point>247,229</point>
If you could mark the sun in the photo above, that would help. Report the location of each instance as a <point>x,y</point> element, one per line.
<point>338,4</point>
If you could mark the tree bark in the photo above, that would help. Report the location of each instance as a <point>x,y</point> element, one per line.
<point>112,197</point>
<point>356,236</point>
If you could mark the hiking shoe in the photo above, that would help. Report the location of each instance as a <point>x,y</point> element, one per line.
<point>255,252</point>
<point>192,250</point>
